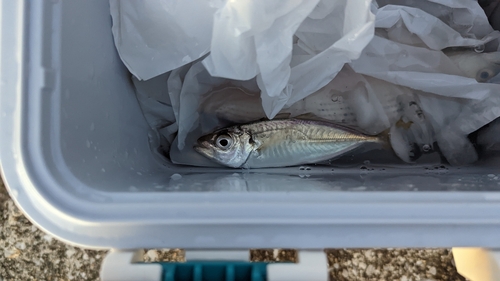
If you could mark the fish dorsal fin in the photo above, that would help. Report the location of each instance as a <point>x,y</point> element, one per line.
<point>312,117</point>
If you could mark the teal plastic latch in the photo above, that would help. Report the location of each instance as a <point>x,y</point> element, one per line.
<point>214,271</point>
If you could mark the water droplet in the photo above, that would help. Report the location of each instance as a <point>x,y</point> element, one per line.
<point>308,168</point>
<point>88,143</point>
<point>302,176</point>
<point>363,168</point>
<point>302,168</point>
<point>367,162</point>
<point>103,170</point>
<point>133,188</point>
<point>139,173</point>
<point>126,154</point>
<point>92,127</point>
<point>176,177</point>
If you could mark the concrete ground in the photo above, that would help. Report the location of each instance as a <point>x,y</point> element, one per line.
<point>26,253</point>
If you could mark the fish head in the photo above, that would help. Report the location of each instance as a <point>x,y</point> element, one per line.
<point>491,69</point>
<point>480,66</point>
<point>230,147</point>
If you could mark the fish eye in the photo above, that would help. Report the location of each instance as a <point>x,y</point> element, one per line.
<point>223,141</point>
<point>484,75</point>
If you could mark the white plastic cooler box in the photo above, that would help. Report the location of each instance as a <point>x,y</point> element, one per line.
<point>76,157</point>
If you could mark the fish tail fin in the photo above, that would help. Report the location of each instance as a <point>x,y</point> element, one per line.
<point>384,139</point>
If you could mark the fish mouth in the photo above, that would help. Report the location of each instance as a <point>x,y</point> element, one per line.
<point>202,148</point>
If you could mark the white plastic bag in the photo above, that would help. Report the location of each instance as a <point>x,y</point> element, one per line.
<point>348,27</point>
<point>407,52</point>
<point>254,38</point>
<point>464,16</point>
<point>157,109</point>
<point>421,28</point>
<point>246,39</point>
<point>155,36</point>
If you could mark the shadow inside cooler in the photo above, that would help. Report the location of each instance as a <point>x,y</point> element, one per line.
<point>97,135</point>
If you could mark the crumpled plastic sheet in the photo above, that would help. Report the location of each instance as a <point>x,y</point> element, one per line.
<point>246,39</point>
<point>331,36</point>
<point>464,16</point>
<point>157,109</point>
<point>402,74</point>
<point>406,53</point>
<point>156,36</point>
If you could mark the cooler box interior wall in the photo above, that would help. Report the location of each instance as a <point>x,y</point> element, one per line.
<point>77,157</point>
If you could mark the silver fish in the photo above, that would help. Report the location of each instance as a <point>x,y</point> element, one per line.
<point>280,143</point>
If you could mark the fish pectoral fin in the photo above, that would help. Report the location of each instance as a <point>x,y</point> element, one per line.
<point>257,146</point>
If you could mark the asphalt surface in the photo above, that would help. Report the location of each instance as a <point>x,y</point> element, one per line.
<point>26,253</point>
